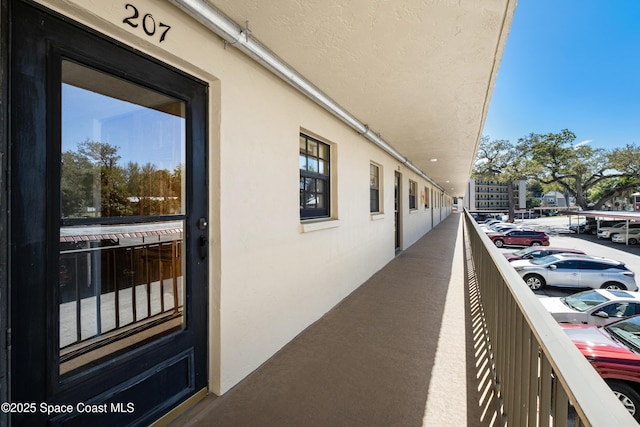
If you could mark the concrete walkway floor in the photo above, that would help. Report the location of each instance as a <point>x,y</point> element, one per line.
<point>404,349</point>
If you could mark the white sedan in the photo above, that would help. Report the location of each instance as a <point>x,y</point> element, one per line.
<point>634,237</point>
<point>593,307</point>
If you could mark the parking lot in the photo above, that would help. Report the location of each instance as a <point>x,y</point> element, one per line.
<point>559,236</point>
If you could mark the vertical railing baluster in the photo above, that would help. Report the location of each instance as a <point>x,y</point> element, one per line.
<point>133,286</point>
<point>161,277</point>
<point>534,376</point>
<point>96,283</point>
<point>147,268</point>
<point>560,405</point>
<point>174,270</point>
<point>116,291</point>
<point>78,302</point>
<point>518,370</point>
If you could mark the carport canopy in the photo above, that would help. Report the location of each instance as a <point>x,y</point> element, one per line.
<point>622,215</point>
<point>598,215</point>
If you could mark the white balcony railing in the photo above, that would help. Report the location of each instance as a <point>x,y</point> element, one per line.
<point>541,378</point>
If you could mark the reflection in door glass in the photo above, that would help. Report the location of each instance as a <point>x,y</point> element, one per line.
<point>122,161</point>
<point>122,147</point>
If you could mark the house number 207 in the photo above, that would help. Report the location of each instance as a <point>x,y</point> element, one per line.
<point>149,25</point>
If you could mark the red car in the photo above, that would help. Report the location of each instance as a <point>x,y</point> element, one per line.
<point>519,237</point>
<point>614,351</point>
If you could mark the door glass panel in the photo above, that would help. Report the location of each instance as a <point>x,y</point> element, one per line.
<point>121,280</point>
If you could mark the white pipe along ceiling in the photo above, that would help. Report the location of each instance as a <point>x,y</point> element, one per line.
<point>236,36</point>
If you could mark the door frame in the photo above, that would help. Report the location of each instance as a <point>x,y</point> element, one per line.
<point>397,214</point>
<point>34,224</point>
<point>5,304</point>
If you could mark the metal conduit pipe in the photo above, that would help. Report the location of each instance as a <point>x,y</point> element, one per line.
<point>236,36</point>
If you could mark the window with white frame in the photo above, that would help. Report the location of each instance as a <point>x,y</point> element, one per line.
<point>315,180</point>
<point>413,191</point>
<point>374,188</point>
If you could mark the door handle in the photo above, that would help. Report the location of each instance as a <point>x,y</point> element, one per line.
<point>204,246</point>
<point>203,223</point>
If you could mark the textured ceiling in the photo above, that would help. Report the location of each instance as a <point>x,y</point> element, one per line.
<point>418,72</point>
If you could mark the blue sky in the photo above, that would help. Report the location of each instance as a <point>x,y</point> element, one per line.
<point>570,64</point>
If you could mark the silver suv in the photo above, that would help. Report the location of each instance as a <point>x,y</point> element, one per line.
<point>619,228</point>
<point>575,271</point>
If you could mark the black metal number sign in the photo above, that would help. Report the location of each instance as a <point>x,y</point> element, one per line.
<point>149,25</point>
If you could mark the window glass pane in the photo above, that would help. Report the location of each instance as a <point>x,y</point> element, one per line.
<point>323,167</point>
<point>303,144</point>
<point>323,151</point>
<point>123,154</point>
<point>374,206</point>
<point>312,165</point>
<point>122,147</point>
<point>310,200</point>
<point>312,148</point>
<point>114,280</point>
<point>373,178</point>
<point>315,169</point>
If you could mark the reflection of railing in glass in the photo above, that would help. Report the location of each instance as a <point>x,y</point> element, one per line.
<point>116,283</point>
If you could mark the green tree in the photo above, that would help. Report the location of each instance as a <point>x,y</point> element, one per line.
<point>92,177</point>
<point>534,194</point>
<point>76,185</point>
<point>176,189</point>
<point>498,160</point>
<point>554,160</point>
<point>110,178</point>
<point>626,162</point>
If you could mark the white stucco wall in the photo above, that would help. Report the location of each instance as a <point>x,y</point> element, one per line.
<point>269,278</point>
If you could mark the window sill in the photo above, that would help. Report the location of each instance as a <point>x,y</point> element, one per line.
<point>377,216</point>
<point>315,225</point>
<point>413,211</point>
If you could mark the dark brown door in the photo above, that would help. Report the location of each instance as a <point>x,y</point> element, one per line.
<point>397,214</point>
<point>109,229</point>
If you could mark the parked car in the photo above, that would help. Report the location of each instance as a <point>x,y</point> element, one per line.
<point>609,232</point>
<point>525,215</point>
<point>588,227</point>
<point>502,229</point>
<point>593,307</point>
<point>575,271</point>
<point>538,252</point>
<point>489,224</point>
<point>519,237</point>
<point>632,237</point>
<point>499,226</point>
<point>614,351</point>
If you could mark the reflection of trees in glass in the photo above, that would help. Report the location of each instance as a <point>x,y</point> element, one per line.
<point>77,184</point>
<point>93,184</point>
